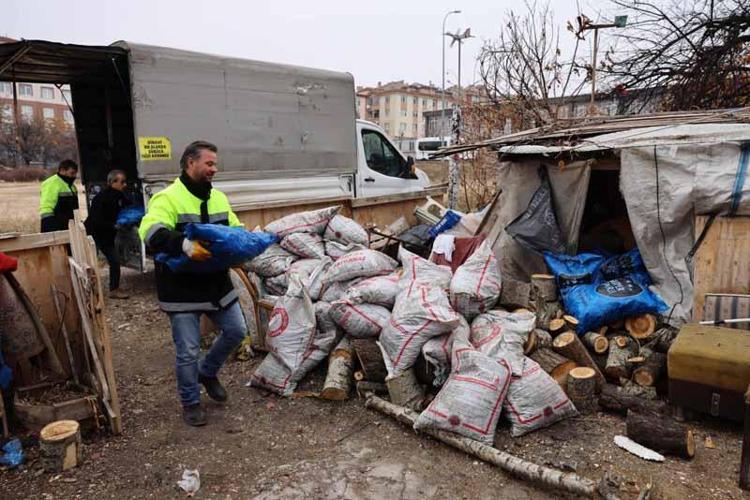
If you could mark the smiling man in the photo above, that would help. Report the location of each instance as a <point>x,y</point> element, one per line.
<point>186,296</point>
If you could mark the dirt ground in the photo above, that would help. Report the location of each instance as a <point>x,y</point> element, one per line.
<point>261,446</point>
<point>19,206</point>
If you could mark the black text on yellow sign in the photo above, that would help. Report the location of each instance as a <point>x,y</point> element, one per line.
<point>155,148</point>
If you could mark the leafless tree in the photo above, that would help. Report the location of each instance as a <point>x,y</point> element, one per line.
<point>525,67</point>
<point>39,140</point>
<point>685,54</point>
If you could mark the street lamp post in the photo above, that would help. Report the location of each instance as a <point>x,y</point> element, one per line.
<point>454,168</point>
<point>442,36</point>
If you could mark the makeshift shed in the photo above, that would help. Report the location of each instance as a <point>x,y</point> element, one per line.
<point>645,186</point>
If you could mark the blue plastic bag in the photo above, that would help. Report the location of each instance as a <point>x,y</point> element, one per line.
<point>598,290</point>
<point>130,216</point>
<point>12,454</point>
<point>229,247</point>
<point>449,220</point>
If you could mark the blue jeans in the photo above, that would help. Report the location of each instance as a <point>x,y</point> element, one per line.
<point>187,337</point>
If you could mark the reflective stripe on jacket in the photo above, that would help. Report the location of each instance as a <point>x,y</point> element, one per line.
<point>171,209</point>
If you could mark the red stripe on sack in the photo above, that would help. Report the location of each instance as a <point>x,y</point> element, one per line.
<point>408,340</point>
<point>354,308</point>
<point>480,382</point>
<point>497,331</point>
<point>481,276</point>
<point>444,347</point>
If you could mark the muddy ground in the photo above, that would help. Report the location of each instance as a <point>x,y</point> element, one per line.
<point>260,446</point>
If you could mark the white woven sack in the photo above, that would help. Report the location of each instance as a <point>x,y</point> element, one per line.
<point>501,334</point>
<point>359,320</point>
<point>303,222</point>
<point>420,313</point>
<point>344,230</point>
<point>380,290</point>
<point>305,245</point>
<point>470,402</point>
<point>419,271</point>
<point>360,264</point>
<point>475,286</point>
<point>437,351</point>
<point>291,329</point>
<point>277,285</point>
<point>274,261</point>
<point>336,250</point>
<point>326,337</point>
<point>535,401</point>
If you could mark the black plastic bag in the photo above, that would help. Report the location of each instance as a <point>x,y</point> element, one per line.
<point>537,228</point>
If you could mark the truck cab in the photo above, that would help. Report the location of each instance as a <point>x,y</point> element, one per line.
<point>381,168</point>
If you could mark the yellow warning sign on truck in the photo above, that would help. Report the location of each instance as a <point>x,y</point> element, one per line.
<point>155,148</point>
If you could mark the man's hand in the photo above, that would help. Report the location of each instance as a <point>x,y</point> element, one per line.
<point>195,250</point>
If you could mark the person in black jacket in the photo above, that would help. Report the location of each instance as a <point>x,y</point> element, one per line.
<point>101,225</point>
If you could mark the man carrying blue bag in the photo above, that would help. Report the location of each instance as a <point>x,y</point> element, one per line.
<point>185,296</point>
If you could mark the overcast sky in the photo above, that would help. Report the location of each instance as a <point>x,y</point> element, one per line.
<point>382,40</point>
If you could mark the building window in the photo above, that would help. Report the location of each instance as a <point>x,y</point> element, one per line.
<point>434,103</point>
<point>387,100</point>
<point>402,128</point>
<point>414,100</point>
<point>424,103</point>
<point>25,89</point>
<point>403,99</point>
<point>67,116</point>
<point>387,127</point>
<point>6,88</point>
<point>6,112</point>
<point>403,113</point>
<point>414,129</point>
<point>48,113</point>
<point>386,111</point>
<point>27,112</point>
<point>66,95</point>
<point>48,93</point>
<point>414,114</point>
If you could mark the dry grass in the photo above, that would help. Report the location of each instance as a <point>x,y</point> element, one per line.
<point>19,206</point>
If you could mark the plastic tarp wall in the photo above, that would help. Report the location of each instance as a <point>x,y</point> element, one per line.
<point>519,181</point>
<point>691,179</point>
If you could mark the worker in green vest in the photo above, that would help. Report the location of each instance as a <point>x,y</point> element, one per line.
<point>186,296</point>
<point>59,197</point>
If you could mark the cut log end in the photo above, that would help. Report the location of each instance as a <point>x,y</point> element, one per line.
<point>60,445</point>
<point>581,387</point>
<point>556,325</point>
<point>641,327</point>
<point>596,342</point>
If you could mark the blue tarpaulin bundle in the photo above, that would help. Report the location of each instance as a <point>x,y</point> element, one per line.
<point>598,290</point>
<point>229,246</point>
<point>130,216</point>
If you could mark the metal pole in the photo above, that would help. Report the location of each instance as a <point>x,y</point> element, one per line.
<point>592,107</point>
<point>15,122</point>
<point>442,38</point>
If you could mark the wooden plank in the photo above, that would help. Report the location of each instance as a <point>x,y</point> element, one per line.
<point>721,264</point>
<point>418,195</point>
<point>30,241</point>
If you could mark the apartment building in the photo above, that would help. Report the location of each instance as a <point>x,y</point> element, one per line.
<point>35,100</point>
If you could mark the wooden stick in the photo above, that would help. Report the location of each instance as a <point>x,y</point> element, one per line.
<point>54,360</point>
<point>660,433</point>
<point>745,462</point>
<point>528,471</point>
<point>338,380</point>
<point>569,345</point>
<point>596,342</point>
<point>582,388</point>
<point>543,287</point>
<point>649,372</point>
<point>641,327</point>
<point>64,330</point>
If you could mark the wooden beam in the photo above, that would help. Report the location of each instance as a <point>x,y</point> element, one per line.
<point>37,240</point>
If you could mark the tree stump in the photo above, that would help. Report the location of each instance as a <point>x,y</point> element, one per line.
<point>641,327</point>
<point>60,446</point>
<point>621,348</point>
<point>648,373</point>
<point>543,287</point>
<point>370,358</point>
<point>582,388</point>
<point>338,380</point>
<point>569,345</point>
<point>404,390</point>
<point>596,342</point>
<point>553,363</point>
<point>538,338</point>
<point>660,433</point>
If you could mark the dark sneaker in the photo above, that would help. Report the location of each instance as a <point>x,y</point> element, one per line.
<point>214,388</point>
<point>194,415</point>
